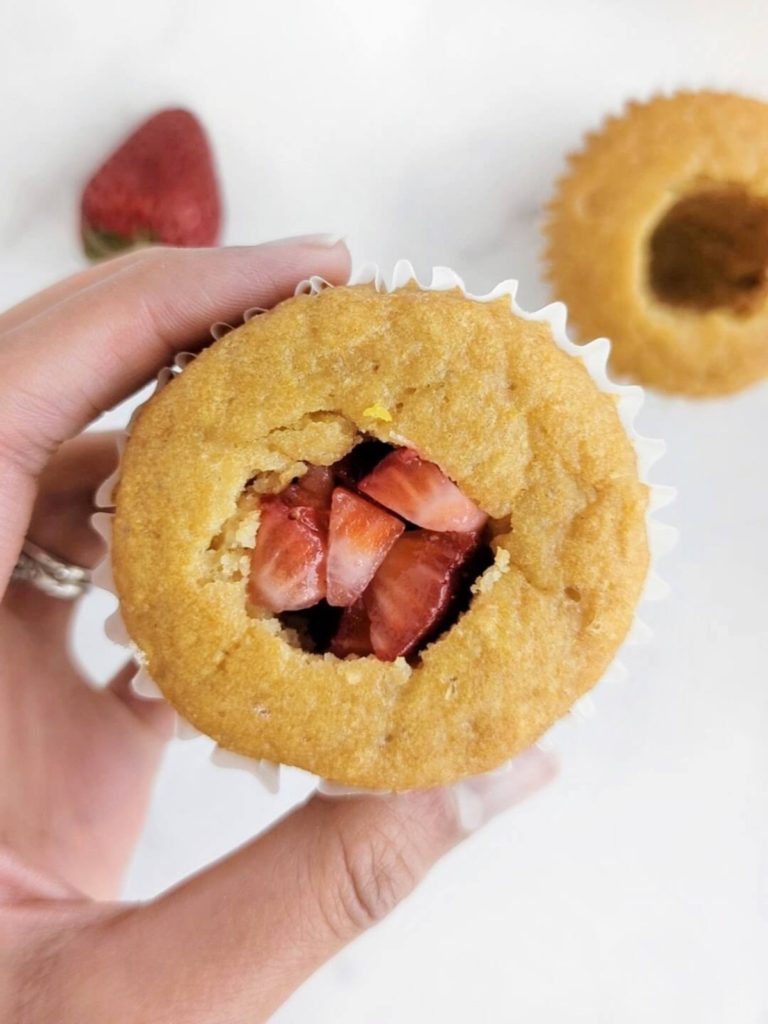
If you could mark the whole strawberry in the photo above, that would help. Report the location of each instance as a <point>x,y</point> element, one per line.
<point>159,186</point>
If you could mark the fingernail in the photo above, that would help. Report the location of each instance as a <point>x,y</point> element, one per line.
<point>482,797</point>
<point>321,241</point>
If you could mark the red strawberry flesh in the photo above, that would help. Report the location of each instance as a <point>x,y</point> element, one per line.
<point>289,557</point>
<point>359,537</point>
<point>313,490</point>
<point>158,186</point>
<point>420,492</point>
<point>362,583</point>
<point>414,588</point>
<point>353,635</point>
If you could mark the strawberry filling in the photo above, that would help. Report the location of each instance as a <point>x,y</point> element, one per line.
<point>353,635</point>
<point>377,553</point>
<point>288,564</point>
<point>313,490</point>
<point>360,536</point>
<point>420,492</point>
<point>420,573</point>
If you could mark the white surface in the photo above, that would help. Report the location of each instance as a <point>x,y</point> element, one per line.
<point>636,887</point>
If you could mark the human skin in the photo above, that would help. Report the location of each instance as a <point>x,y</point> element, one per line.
<point>77,762</point>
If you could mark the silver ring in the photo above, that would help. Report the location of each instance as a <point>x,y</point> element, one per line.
<point>53,577</point>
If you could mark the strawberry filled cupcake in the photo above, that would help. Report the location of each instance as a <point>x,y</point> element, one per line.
<point>388,537</point>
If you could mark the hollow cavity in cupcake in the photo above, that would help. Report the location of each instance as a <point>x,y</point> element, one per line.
<point>375,555</point>
<point>710,251</point>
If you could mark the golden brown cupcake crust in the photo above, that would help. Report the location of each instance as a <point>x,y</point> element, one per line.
<point>616,190</point>
<point>487,395</point>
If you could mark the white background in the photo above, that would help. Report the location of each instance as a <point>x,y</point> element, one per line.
<point>636,888</point>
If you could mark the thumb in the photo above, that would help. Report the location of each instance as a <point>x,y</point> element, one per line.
<point>233,943</point>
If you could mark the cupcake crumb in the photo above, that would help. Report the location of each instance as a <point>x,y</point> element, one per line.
<point>493,574</point>
<point>378,412</point>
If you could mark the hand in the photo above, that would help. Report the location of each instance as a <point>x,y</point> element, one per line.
<point>77,763</point>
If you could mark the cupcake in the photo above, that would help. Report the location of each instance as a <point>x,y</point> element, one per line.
<point>388,537</point>
<point>658,238</point>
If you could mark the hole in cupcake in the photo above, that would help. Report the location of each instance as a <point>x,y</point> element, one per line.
<point>573,593</point>
<point>710,251</point>
<point>375,555</point>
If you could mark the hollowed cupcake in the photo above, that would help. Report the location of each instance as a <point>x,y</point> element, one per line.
<point>389,537</point>
<point>658,238</point>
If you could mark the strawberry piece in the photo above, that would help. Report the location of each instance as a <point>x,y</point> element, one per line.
<point>359,462</point>
<point>158,186</point>
<point>353,635</point>
<point>359,536</point>
<point>288,560</point>
<point>420,492</point>
<point>313,490</point>
<point>414,588</point>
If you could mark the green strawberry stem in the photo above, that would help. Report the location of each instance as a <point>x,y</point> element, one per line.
<point>101,245</point>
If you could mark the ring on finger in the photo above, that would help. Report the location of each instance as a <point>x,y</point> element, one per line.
<point>50,574</point>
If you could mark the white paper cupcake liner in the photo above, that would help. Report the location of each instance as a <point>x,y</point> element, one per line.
<point>593,355</point>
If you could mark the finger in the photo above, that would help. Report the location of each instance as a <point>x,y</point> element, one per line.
<point>61,525</point>
<point>21,881</point>
<point>61,522</point>
<point>61,516</point>
<point>156,715</point>
<point>237,940</point>
<point>79,357</point>
<point>55,293</point>
<point>69,363</point>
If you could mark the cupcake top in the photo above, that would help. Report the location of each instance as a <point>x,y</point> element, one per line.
<point>658,238</point>
<point>544,481</point>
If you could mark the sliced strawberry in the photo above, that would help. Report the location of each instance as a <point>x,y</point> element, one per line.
<point>353,635</point>
<point>313,490</point>
<point>413,589</point>
<point>420,492</point>
<point>359,537</point>
<point>288,561</point>
<point>359,462</point>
